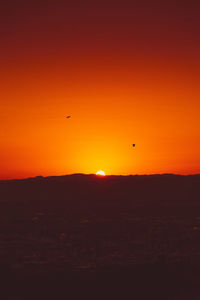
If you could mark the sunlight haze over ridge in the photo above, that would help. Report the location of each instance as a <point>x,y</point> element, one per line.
<point>125,76</point>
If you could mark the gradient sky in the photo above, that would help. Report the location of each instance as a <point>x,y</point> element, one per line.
<point>127,71</point>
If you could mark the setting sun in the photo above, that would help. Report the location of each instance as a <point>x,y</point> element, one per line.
<point>101,173</point>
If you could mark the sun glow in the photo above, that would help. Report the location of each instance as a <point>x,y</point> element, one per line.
<point>100,173</point>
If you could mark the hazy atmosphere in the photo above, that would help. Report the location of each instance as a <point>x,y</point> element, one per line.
<point>100,150</point>
<point>125,72</point>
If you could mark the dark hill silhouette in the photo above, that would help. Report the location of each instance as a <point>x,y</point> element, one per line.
<point>100,237</point>
<point>152,194</point>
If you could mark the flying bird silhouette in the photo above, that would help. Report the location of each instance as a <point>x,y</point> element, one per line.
<point>68,117</point>
<point>133,145</point>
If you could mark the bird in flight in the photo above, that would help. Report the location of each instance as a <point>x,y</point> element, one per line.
<point>133,145</point>
<point>68,117</point>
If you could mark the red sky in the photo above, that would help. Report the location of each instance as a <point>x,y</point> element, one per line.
<point>128,72</point>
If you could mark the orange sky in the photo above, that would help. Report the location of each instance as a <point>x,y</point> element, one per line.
<point>121,83</point>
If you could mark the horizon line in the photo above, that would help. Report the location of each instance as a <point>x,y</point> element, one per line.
<point>93,174</point>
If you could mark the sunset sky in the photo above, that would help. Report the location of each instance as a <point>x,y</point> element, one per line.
<point>126,71</point>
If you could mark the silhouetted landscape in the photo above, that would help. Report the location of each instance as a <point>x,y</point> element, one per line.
<point>90,237</point>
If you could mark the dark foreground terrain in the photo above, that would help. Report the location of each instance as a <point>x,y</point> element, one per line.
<point>85,237</point>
